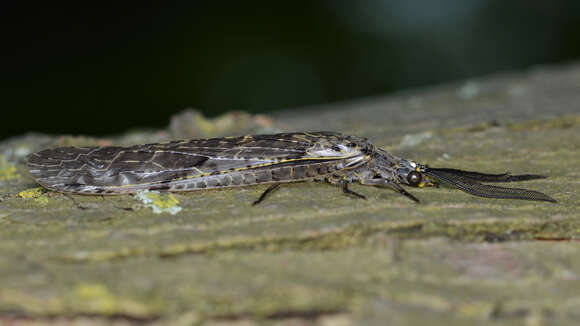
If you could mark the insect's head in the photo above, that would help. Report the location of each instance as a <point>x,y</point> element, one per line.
<point>412,174</point>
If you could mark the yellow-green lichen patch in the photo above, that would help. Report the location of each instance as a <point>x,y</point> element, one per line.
<point>160,203</point>
<point>7,171</point>
<point>34,193</point>
<point>97,298</point>
<point>31,193</point>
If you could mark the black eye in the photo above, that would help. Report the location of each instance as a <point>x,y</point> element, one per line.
<point>414,178</point>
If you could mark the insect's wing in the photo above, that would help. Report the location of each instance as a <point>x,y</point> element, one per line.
<point>475,188</point>
<point>113,170</point>
<point>95,170</point>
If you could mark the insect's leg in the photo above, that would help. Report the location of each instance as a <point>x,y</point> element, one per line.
<point>340,179</point>
<point>77,204</point>
<point>402,191</point>
<point>374,182</point>
<point>271,188</point>
<point>382,181</point>
<point>350,192</point>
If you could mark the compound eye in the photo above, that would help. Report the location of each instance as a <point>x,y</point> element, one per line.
<point>414,178</point>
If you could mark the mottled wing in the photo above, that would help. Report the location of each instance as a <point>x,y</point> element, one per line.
<point>176,165</point>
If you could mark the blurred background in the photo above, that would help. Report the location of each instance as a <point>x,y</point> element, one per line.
<point>101,70</point>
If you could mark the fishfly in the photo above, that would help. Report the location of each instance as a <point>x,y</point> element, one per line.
<point>186,165</point>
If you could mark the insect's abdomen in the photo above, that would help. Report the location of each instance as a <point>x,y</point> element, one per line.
<point>251,176</point>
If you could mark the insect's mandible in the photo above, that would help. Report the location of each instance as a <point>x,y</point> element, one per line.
<point>186,165</point>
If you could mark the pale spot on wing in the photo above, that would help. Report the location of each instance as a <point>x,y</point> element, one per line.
<point>326,152</point>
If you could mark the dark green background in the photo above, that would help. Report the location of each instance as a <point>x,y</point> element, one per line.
<point>101,70</point>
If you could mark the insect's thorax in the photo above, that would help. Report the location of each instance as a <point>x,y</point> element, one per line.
<point>378,163</point>
<point>384,162</point>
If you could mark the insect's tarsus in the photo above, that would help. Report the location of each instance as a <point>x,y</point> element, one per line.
<point>350,192</point>
<point>75,202</point>
<point>404,192</point>
<point>271,188</point>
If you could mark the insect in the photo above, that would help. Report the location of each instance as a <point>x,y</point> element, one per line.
<point>186,165</point>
